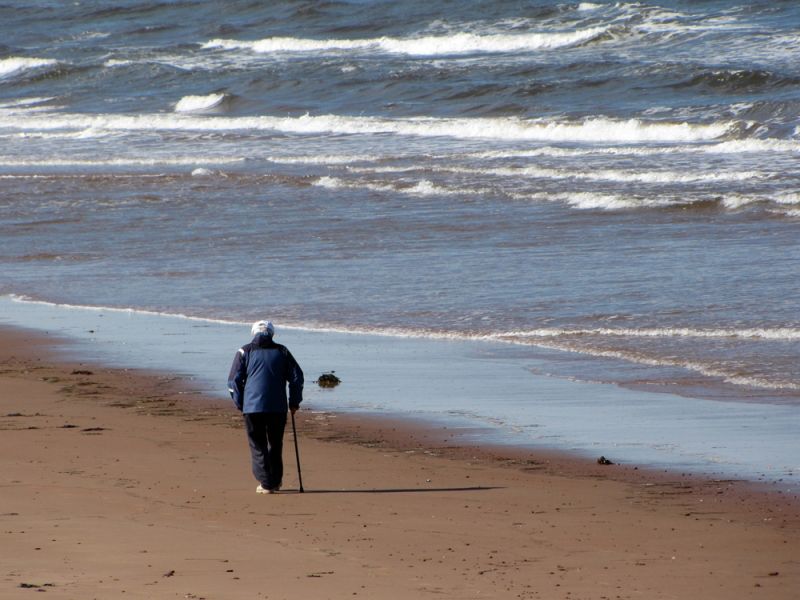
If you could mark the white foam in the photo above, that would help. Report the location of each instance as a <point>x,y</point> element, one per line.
<point>663,176</point>
<point>421,188</point>
<point>199,103</point>
<point>321,159</point>
<point>116,62</point>
<point>726,147</point>
<point>25,102</point>
<point>126,310</point>
<point>445,45</point>
<point>594,201</point>
<point>597,200</point>
<point>410,169</point>
<point>6,161</point>
<point>595,130</point>
<point>588,130</point>
<point>89,132</point>
<point>19,64</point>
<point>578,200</point>
<point>736,201</point>
<point>428,188</point>
<point>592,175</point>
<point>755,145</point>
<point>787,198</point>
<point>777,333</point>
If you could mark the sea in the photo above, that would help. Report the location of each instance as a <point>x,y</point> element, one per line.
<point>559,224</point>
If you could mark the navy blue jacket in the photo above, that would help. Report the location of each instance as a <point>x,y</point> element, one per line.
<point>259,374</point>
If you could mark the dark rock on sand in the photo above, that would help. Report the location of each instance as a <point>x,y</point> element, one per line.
<point>328,380</point>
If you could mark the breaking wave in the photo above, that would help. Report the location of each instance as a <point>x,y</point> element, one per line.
<point>593,175</point>
<point>421,188</point>
<point>459,43</point>
<point>597,129</point>
<point>737,80</point>
<point>16,65</point>
<point>200,103</point>
<point>119,162</point>
<point>743,146</point>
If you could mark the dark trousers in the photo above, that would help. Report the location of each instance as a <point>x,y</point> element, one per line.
<point>265,434</point>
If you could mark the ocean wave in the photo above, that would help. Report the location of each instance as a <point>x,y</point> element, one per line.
<point>421,188</point>
<point>637,177</point>
<point>611,202</point>
<point>616,202</point>
<point>590,130</point>
<point>16,65</point>
<point>577,200</point>
<point>6,161</point>
<point>736,80</point>
<point>323,159</point>
<point>744,146</point>
<point>605,201</point>
<point>27,103</point>
<point>458,43</point>
<point>665,177</point>
<point>200,103</point>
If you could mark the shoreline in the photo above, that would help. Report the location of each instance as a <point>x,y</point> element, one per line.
<point>538,524</point>
<point>487,390</point>
<point>398,432</point>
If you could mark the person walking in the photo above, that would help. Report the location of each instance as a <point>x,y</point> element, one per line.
<point>257,382</point>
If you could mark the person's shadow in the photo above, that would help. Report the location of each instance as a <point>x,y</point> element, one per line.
<point>395,490</point>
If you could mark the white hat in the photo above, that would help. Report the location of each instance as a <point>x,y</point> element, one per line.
<point>262,327</point>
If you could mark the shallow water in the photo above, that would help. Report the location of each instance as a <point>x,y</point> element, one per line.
<point>481,391</point>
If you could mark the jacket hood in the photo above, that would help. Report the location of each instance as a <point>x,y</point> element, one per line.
<point>263,340</point>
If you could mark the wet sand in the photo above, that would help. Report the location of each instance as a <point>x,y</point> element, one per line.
<point>123,484</point>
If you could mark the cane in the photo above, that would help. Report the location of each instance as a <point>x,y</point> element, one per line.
<point>297,454</point>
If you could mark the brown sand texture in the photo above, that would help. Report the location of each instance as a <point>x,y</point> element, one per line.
<point>117,484</point>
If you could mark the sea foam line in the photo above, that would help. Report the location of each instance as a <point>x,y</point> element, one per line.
<point>578,200</point>
<point>725,147</point>
<point>443,45</point>
<point>765,333</point>
<point>693,366</point>
<point>421,188</point>
<point>596,129</point>
<point>510,337</point>
<point>119,162</point>
<point>593,175</point>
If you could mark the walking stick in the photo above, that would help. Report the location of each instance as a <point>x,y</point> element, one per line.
<point>297,454</point>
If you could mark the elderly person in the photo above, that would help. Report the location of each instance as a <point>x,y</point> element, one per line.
<point>257,382</point>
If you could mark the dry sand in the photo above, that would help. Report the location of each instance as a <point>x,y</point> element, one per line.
<point>117,484</point>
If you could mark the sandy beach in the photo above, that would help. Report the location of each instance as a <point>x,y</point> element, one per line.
<point>123,484</point>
